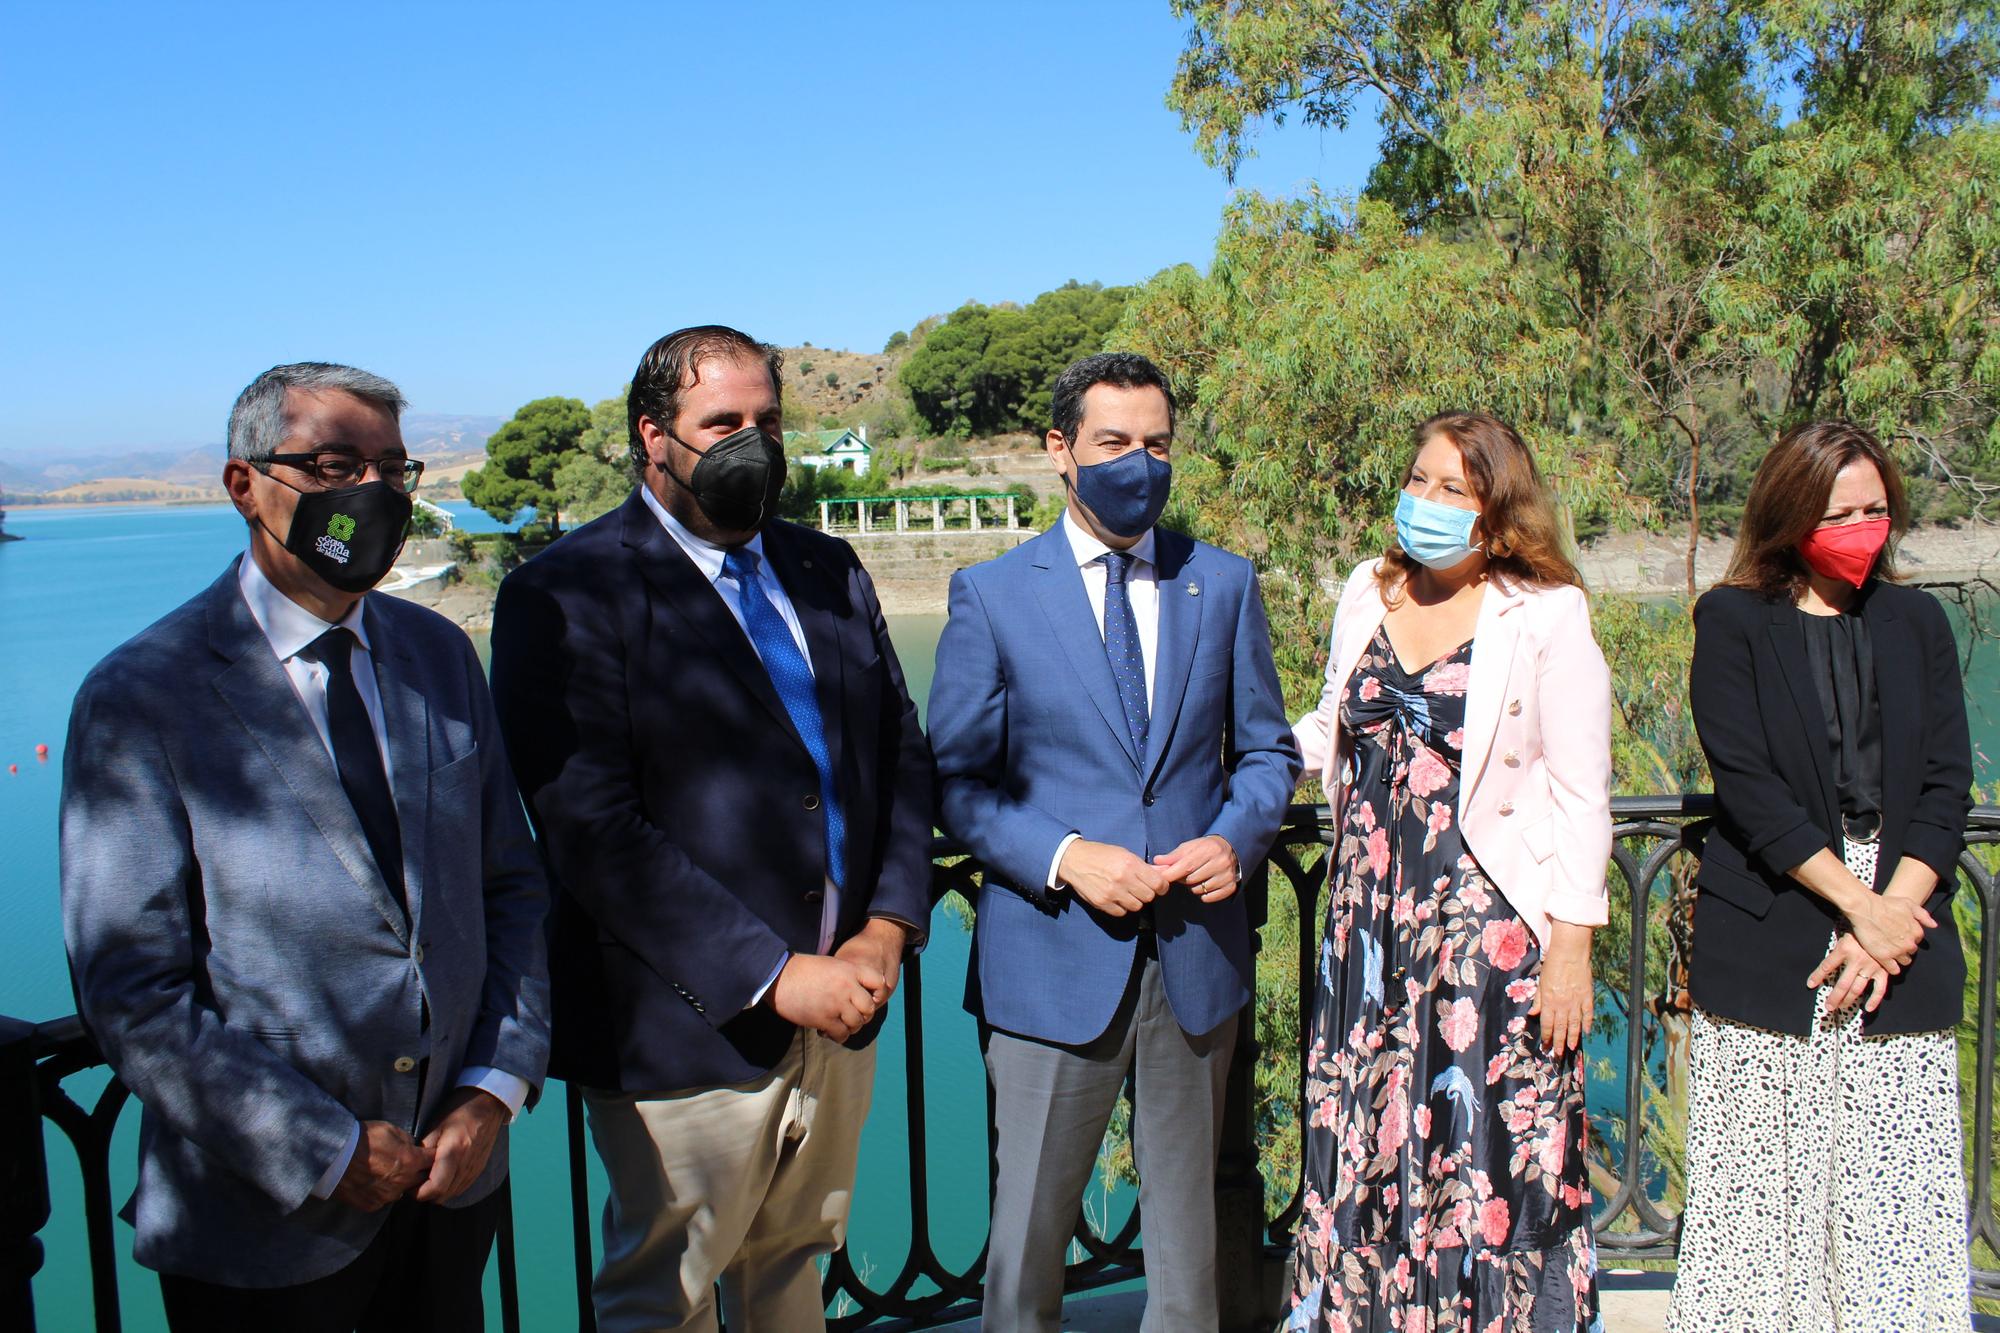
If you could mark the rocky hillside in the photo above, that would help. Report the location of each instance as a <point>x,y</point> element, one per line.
<point>826,385</point>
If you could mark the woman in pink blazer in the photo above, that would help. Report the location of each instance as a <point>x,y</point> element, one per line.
<point>1464,736</point>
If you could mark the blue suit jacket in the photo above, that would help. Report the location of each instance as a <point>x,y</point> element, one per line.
<point>1031,745</point>
<point>677,807</point>
<point>237,953</point>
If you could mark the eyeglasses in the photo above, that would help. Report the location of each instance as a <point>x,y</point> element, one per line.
<point>342,469</point>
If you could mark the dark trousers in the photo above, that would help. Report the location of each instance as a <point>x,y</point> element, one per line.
<point>422,1272</point>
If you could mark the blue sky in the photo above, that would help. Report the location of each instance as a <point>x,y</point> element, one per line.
<point>491,203</point>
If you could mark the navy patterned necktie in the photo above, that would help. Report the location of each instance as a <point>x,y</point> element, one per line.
<point>1121,646</point>
<point>793,677</point>
<point>358,757</point>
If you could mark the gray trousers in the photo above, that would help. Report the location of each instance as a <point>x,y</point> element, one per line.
<point>1051,1106</point>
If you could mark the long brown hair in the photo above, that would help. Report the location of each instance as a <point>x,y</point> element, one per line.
<point>1788,498</point>
<point>1517,513</point>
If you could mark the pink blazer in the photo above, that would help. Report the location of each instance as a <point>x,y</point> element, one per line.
<point>1534,796</point>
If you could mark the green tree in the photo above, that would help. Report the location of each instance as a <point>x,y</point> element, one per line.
<point>1317,340</point>
<point>608,437</point>
<point>424,523</point>
<point>805,487</point>
<point>586,487</point>
<point>988,369</point>
<point>1748,214</point>
<point>896,340</point>
<point>1649,235</point>
<point>522,458</point>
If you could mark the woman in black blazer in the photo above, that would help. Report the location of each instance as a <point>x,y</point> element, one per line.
<point>1825,1190</point>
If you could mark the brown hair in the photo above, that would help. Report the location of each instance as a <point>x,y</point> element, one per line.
<point>1788,498</point>
<point>1517,514</point>
<point>667,365</point>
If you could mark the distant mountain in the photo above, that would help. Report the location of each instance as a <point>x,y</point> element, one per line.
<point>440,439</point>
<point>103,490</point>
<point>186,467</point>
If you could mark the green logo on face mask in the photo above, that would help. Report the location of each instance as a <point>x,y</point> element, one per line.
<point>340,527</point>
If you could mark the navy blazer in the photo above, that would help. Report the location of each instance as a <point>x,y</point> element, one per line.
<point>1759,933</point>
<point>676,805</point>
<point>1031,745</point>
<point>239,956</point>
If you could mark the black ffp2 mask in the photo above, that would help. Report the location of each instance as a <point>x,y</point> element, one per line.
<point>736,480</point>
<point>351,536</point>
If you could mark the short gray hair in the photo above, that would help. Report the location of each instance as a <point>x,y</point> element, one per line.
<point>257,423</point>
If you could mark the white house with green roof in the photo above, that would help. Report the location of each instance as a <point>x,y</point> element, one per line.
<point>848,449</point>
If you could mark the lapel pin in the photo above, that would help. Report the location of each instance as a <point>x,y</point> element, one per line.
<point>807,563</point>
<point>1194,589</point>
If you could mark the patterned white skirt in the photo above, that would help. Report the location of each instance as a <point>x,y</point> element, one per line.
<point>1826,1192</point>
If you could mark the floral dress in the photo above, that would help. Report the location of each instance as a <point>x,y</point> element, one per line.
<point>1444,1174</point>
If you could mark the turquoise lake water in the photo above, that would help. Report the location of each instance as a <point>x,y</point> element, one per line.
<point>86,579</point>
<point>82,581</point>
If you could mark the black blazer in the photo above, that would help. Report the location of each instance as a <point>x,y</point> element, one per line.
<point>676,806</point>
<point>1759,933</point>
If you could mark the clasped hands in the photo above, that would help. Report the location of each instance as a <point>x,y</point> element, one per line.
<point>388,1164</point>
<point>1116,882</point>
<point>1883,933</point>
<point>838,995</point>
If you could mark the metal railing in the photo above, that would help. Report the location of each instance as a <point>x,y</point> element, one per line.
<point>1633,1221</point>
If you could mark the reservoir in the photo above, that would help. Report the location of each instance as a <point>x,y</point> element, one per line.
<point>86,579</point>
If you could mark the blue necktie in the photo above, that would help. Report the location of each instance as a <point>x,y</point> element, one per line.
<point>1121,645</point>
<point>793,677</point>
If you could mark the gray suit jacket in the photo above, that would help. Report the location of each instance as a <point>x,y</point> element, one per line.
<point>239,957</point>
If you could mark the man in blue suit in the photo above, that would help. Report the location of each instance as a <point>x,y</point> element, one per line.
<point>303,912</point>
<point>734,799</point>
<point>1111,743</point>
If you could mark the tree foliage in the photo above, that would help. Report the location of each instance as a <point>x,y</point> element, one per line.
<point>522,459</point>
<point>988,369</point>
<point>1650,235</point>
<point>1746,214</point>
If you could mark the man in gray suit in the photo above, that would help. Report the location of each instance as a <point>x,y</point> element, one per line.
<point>303,913</point>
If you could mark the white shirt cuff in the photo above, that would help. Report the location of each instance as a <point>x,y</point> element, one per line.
<point>511,1089</point>
<point>1056,863</point>
<point>769,982</point>
<point>329,1182</point>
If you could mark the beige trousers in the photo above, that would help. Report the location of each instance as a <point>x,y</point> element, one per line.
<point>746,1185</point>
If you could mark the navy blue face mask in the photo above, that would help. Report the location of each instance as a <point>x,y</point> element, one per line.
<point>1128,493</point>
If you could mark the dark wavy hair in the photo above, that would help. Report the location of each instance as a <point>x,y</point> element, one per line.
<point>1124,370</point>
<point>1788,498</point>
<point>1517,512</point>
<point>666,368</point>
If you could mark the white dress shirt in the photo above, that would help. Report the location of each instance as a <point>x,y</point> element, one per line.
<point>290,629</point>
<point>708,557</point>
<point>1142,590</point>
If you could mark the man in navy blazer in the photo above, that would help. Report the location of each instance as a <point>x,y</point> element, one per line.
<point>1111,744</point>
<point>734,799</point>
<point>303,912</point>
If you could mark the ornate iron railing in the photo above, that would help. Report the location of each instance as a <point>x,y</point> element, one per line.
<point>1634,1220</point>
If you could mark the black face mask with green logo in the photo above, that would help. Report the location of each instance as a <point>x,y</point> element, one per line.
<point>350,536</point>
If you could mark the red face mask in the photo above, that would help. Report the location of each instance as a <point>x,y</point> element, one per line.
<point>1846,552</point>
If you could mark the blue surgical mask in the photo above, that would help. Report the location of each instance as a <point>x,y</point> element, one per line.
<point>1126,493</point>
<point>1432,534</point>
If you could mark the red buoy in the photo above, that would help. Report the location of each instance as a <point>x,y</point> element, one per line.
<point>42,752</point>
<point>13,768</point>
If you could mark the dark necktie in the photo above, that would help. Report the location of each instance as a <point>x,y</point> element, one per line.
<point>359,758</point>
<point>1121,645</point>
<point>793,677</point>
